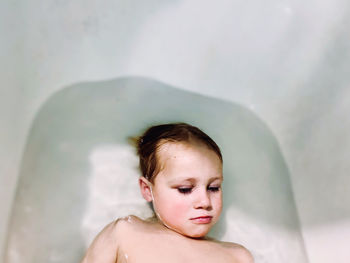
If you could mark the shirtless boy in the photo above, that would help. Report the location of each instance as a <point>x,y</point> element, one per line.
<point>182,176</point>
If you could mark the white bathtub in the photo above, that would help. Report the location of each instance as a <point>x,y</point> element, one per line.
<point>284,64</point>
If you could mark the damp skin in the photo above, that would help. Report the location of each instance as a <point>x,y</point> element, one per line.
<point>157,214</point>
<point>128,218</point>
<point>188,187</point>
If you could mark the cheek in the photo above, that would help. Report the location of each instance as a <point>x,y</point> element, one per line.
<point>217,203</point>
<point>180,208</point>
<point>175,209</point>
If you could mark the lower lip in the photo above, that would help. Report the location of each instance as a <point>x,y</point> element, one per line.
<point>202,220</point>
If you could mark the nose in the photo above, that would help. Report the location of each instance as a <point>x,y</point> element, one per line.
<point>203,200</point>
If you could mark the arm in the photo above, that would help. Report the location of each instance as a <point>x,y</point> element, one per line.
<point>104,248</point>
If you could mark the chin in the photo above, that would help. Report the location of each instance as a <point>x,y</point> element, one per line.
<point>199,234</point>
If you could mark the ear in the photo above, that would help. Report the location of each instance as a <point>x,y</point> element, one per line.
<point>145,187</point>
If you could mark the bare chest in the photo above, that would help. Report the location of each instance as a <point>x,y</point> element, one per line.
<point>154,250</point>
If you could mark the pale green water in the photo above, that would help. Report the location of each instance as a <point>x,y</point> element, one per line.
<point>78,173</point>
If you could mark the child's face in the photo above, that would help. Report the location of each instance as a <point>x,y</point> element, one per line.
<point>187,191</point>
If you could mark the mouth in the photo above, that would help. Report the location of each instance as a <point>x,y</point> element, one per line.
<point>202,219</point>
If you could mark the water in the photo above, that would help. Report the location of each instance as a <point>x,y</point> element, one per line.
<point>78,172</point>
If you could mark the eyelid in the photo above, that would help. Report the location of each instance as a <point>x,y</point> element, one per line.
<point>188,190</point>
<point>185,190</point>
<point>214,186</point>
<point>217,180</point>
<point>185,187</point>
<point>218,184</point>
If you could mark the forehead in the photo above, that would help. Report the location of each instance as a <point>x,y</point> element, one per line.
<point>188,159</point>
<point>177,149</point>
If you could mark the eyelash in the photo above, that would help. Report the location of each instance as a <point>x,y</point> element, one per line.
<point>189,190</point>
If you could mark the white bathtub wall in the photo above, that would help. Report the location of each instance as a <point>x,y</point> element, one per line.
<point>11,112</point>
<point>288,61</point>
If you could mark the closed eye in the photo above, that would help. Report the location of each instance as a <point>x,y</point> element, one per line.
<point>214,188</point>
<point>184,190</point>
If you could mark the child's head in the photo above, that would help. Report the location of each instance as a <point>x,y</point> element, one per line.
<point>155,137</point>
<point>182,175</point>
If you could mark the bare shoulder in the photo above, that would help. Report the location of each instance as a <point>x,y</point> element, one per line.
<point>129,223</point>
<point>104,247</point>
<point>239,252</point>
<point>123,227</point>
